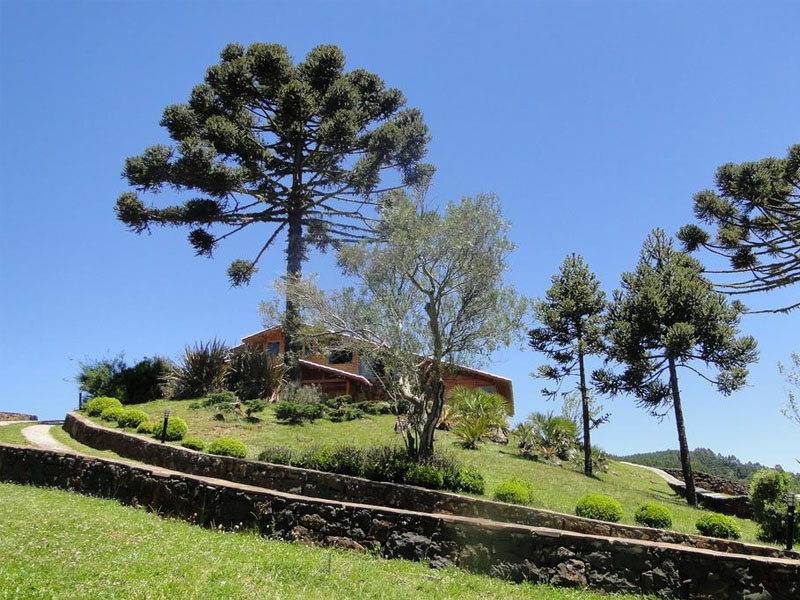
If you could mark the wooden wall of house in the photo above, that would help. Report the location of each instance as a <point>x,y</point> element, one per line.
<point>276,335</point>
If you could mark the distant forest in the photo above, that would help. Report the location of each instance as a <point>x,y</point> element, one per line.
<point>703,460</point>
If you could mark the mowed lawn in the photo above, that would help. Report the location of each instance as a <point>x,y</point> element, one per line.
<point>556,488</point>
<point>57,544</point>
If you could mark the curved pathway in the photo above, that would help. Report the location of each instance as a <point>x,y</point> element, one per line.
<point>39,435</point>
<point>663,474</point>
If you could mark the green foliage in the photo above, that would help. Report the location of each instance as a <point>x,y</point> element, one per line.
<point>756,212</point>
<point>475,412</point>
<point>194,443</point>
<point>426,476</point>
<point>202,371</point>
<point>300,403</point>
<point>600,507</point>
<point>547,436</point>
<point>651,514</point>
<point>176,429</point>
<point>464,479</point>
<point>112,413</point>
<point>768,490</point>
<point>133,418</point>
<point>145,428</point>
<point>703,459</point>
<point>96,406</point>
<point>225,446</point>
<point>514,491</point>
<point>255,373</point>
<point>113,377</point>
<point>279,455</point>
<point>719,526</point>
<point>221,397</point>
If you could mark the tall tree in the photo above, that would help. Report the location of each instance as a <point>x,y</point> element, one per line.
<point>571,328</point>
<point>667,317</point>
<point>272,145</point>
<point>429,295</point>
<point>756,210</point>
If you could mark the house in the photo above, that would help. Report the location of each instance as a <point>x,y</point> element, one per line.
<point>341,372</point>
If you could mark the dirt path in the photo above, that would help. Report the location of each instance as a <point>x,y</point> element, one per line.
<point>663,474</point>
<point>39,435</point>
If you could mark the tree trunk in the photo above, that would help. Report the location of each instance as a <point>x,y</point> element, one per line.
<point>688,477</point>
<point>587,442</point>
<point>295,250</point>
<point>425,449</point>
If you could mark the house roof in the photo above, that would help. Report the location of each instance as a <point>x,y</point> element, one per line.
<point>335,371</point>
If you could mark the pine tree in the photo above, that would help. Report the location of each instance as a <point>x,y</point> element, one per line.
<point>667,317</point>
<point>571,328</point>
<point>277,146</point>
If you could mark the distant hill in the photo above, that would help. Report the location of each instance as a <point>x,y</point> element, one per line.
<point>703,459</point>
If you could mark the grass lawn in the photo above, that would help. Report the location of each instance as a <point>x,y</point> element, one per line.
<point>12,434</point>
<point>57,544</point>
<point>556,488</point>
<point>63,437</point>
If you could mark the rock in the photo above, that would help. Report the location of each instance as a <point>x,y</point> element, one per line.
<point>219,417</point>
<point>343,542</point>
<point>498,436</point>
<point>408,545</point>
<point>313,522</point>
<point>570,573</point>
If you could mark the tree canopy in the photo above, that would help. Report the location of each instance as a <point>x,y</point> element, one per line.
<point>666,317</point>
<point>266,143</point>
<point>428,295</point>
<point>756,212</point>
<point>571,318</point>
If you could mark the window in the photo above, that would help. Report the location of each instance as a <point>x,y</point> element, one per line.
<point>340,357</point>
<point>273,348</point>
<point>488,388</point>
<point>364,370</point>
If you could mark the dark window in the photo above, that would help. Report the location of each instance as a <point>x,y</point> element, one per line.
<point>273,348</point>
<point>488,388</point>
<point>340,357</point>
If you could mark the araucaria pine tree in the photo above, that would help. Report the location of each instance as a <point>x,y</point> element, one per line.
<point>571,328</point>
<point>265,144</point>
<point>668,317</point>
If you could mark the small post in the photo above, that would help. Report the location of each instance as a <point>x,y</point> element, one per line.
<point>790,503</point>
<point>164,430</point>
<point>80,400</point>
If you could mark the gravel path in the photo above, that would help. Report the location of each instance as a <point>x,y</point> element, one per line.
<point>39,435</point>
<point>663,474</point>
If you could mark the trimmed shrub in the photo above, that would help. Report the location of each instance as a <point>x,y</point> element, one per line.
<point>113,413</point>
<point>228,447</point>
<point>768,490</point>
<point>386,463</point>
<point>719,526</point>
<point>176,429</point>
<point>294,413</point>
<point>96,406</point>
<point>133,417</point>
<point>349,413</point>
<point>651,514</point>
<point>426,476</point>
<point>279,455</point>
<point>223,397</point>
<point>514,491</point>
<point>145,428</point>
<point>193,443</point>
<point>467,479</point>
<point>600,507</point>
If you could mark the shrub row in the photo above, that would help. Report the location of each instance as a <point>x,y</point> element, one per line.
<point>307,403</point>
<point>111,410</point>
<point>381,463</point>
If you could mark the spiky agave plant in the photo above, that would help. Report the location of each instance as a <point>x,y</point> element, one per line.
<point>255,373</point>
<point>202,370</point>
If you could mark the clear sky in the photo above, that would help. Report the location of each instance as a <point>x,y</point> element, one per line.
<point>593,121</point>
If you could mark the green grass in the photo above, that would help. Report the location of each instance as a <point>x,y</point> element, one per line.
<point>57,544</point>
<point>555,488</point>
<point>12,434</point>
<point>63,437</point>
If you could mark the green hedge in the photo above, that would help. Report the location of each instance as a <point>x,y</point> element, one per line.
<point>719,526</point>
<point>651,514</point>
<point>600,507</point>
<point>176,429</point>
<point>193,443</point>
<point>96,406</point>
<point>113,413</point>
<point>133,417</point>
<point>514,491</point>
<point>228,447</point>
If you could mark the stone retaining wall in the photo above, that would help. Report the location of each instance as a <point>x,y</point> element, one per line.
<point>511,551</point>
<point>318,484</point>
<point>712,483</point>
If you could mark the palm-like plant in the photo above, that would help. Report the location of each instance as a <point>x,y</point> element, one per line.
<point>476,413</point>
<point>202,371</point>
<point>547,435</point>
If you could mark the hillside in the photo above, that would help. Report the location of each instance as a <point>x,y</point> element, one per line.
<point>555,487</point>
<point>115,551</point>
<point>703,459</point>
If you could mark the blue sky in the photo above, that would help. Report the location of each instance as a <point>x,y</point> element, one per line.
<point>593,122</point>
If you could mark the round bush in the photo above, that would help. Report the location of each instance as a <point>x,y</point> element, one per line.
<point>145,427</point>
<point>426,476</point>
<point>514,491</point>
<point>469,480</point>
<point>768,490</point>
<point>228,447</point>
<point>600,507</point>
<point>719,526</point>
<point>279,455</point>
<point>133,417</point>
<point>96,406</point>
<point>193,443</point>
<point>653,515</point>
<point>176,429</point>
<point>114,413</point>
